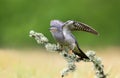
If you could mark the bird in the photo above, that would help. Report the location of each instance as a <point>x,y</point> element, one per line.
<point>62,33</point>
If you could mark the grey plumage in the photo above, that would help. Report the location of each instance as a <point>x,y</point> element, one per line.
<point>61,32</point>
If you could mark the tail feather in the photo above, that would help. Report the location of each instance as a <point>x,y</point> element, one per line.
<point>81,54</point>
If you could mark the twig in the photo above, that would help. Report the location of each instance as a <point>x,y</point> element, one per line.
<point>70,58</point>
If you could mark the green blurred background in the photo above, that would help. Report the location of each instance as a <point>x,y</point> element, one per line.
<point>18,17</point>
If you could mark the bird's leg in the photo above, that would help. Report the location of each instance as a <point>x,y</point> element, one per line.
<point>70,52</point>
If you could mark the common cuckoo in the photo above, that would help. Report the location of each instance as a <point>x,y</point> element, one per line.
<point>61,31</point>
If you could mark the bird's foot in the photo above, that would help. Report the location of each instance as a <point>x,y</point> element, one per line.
<point>70,52</point>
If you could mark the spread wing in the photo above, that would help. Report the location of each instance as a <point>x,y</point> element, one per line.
<point>78,26</point>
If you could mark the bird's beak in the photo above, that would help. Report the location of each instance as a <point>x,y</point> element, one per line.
<point>49,28</point>
<point>52,29</point>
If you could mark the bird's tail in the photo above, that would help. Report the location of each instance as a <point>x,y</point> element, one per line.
<point>81,54</point>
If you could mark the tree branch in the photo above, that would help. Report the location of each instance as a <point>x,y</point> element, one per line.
<point>70,58</point>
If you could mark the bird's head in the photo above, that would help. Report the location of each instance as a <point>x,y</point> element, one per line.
<point>56,23</point>
<point>56,26</point>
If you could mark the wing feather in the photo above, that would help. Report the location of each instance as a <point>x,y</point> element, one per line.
<point>78,26</point>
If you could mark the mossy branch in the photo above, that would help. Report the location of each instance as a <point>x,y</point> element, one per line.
<point>70,58</point>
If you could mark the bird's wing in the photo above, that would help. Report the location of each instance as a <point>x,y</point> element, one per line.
<point>78,26</point>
